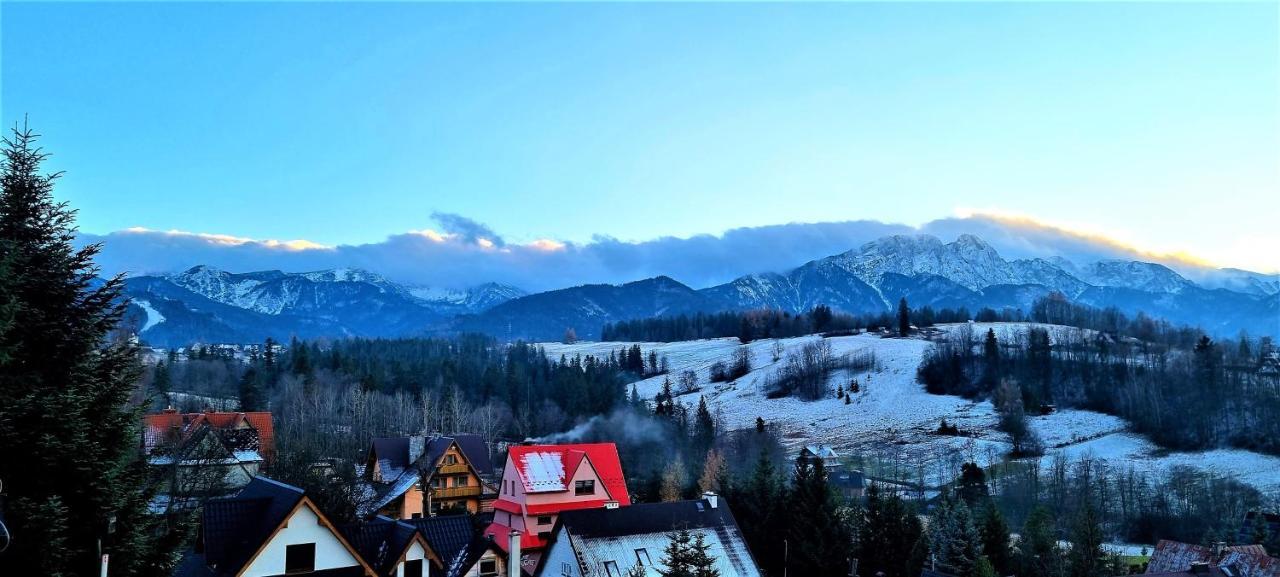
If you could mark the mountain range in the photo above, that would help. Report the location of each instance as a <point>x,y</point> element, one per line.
<point>209,305</point>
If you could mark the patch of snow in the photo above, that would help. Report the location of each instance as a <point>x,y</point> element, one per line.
<point>153,316</point>
<point>893,418</point>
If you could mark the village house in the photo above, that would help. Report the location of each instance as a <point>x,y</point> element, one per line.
<point>1173,557</point>
<point>411,477</point>
<point>195,456</point>
<point>540,482</point>
<point>393,548</point>
<point>830,459</point>
<point>849,484</point>
<point>614,542</point>
<point>270,529</point>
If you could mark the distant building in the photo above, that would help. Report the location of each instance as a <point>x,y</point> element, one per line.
<point>830,459</point>
<point>851,485</point>
<point>611,542</point>
<point>269,529</point>
<point>540,482</point>
<point>196,456</point>
<point>412,477</point>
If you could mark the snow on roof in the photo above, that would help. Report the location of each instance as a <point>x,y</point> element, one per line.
<point>542,471</point>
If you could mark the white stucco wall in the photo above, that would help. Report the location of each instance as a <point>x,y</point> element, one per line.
<point>415,552</point>
<point>302,527</point>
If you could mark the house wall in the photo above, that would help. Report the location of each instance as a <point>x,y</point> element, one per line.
<point>474,571</point>
<point>411,503</point>
<point>415,552</point>
<point>302,527</point>
<point>560,560</point>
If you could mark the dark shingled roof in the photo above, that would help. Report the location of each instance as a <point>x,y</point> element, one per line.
<point>447,535</point>
<point>234,527</point>
<point>380,541</point>
<point>645,518</point>
<point>477,451</point>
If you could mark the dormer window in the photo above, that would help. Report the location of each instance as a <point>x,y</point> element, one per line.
<point>584,487</point>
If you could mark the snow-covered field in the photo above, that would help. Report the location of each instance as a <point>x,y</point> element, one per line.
<point>892,417</point>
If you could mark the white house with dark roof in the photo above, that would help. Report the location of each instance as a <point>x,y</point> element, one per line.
<point>611,542</point>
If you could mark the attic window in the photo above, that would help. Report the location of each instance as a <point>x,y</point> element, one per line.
<point>451,459</point>
<point>300,558</point>
<point>584,487</point>
<point>642,557</point>
<point>611,569</point>
<point>488,567</point>
<point>413,568</point>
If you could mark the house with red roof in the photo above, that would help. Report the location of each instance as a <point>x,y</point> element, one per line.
<point>541,481</point>
<point>195,456</point>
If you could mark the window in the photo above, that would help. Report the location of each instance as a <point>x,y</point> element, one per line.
<point>451,459</point>
<point>439,482</point>
<point>488,567</point>
<point>544,535</point>
<point>413,568</point>
<point>416,515</point>
<point>460,481</point>
<point>544,519</point>
<point>642,557</point>
<point>584,487</point>
<point>611,569</point>
<point>300,558</point>
<point>566,569</point>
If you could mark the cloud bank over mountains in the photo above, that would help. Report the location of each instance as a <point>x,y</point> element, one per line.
<point>464,252</point>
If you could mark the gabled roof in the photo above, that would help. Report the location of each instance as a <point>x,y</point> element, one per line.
<point>235,527</point>
<point>171,428</point>
<point>548,468</point>
<point>381,542</point>
<point>600,535</point>
<point>448,535</point>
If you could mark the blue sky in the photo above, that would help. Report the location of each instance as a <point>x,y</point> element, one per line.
<point>344,124</point>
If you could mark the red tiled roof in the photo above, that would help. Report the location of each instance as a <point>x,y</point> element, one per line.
<point>500,532</point>
<point>547,468</point>
<point>547,508</point>
<point>171,427</point>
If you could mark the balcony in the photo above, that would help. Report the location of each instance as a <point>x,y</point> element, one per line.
<point>454,469</point>
<point>456,492</point>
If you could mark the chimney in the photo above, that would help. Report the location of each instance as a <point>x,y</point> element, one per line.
<point>417,445</point>
<point>513,555</point>
<point>713,500</point>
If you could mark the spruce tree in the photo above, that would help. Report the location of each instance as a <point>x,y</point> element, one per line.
<point>67,436</point>
<point>904,318</point>
<point>820,542</point>
<point>995,540</point>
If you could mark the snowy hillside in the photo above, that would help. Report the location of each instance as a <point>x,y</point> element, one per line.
<point>894,418</point>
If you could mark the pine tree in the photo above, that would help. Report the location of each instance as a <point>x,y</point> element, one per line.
<point>995,540</point>
<point>687,554</point>
<point>161,381</point>
<point>904,318</point>
<point>251,391</point>
<point>704,432</point>
<point>67,437</point>
<point>820,542</point>
<point>759,424</point>
<point>1086,557</point>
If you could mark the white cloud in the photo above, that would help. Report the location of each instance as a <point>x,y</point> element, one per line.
<point>466,252</point>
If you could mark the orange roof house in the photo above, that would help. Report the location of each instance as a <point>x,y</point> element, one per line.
<point>251,431</point>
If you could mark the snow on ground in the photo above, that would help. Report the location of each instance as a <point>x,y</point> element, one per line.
<point>892,417</point>
<point>153,316</point>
